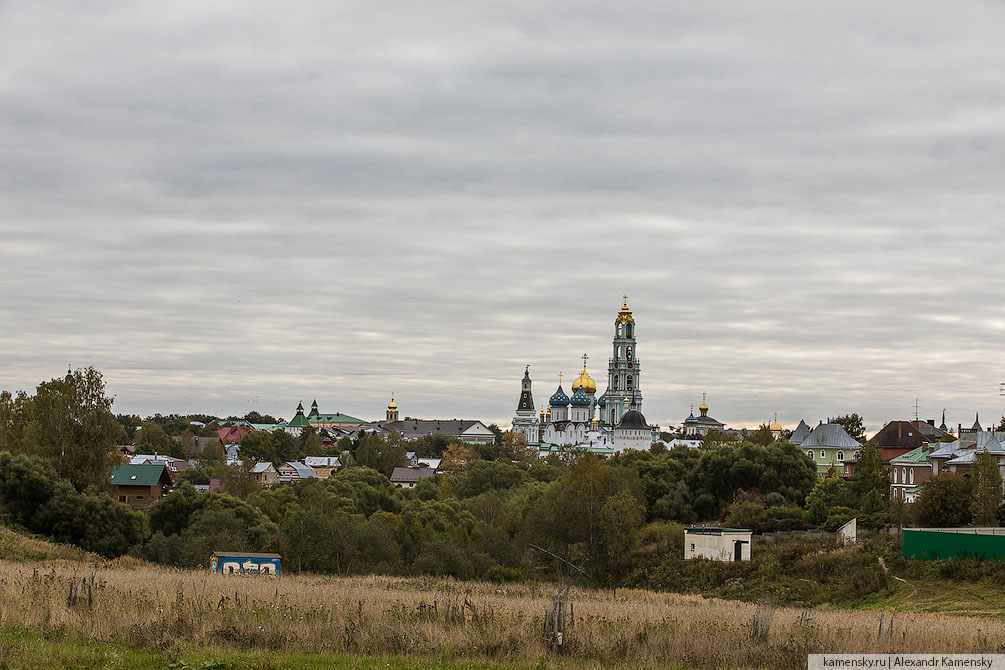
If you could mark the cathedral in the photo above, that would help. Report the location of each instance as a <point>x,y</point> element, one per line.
<point>608,423</point>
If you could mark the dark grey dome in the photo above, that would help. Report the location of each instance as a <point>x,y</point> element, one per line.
<point>633,419</point>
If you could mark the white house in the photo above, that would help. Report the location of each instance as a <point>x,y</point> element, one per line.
<point>718,544</point>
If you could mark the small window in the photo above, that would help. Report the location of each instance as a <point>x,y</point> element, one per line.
<point>911,475</point>
<point>895,476</point>
<point>809,452</point>
<point>823,454</point>
<point>122,498</point>
<point>692,546</point>
<point>840,455</point>
<point>133,477</point>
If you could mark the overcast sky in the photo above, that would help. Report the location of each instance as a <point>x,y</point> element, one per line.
<point>235,206</point>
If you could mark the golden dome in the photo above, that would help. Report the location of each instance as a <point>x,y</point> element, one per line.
<point>775,426</point>
<point>391,404</point>
<point>703,404</point>
<point>585,382</point>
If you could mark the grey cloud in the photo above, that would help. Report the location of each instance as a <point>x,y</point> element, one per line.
<point>227,207</point>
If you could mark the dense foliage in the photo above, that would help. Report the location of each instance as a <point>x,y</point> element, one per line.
<point>497,511</point>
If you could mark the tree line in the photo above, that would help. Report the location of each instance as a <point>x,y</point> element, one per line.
<point>498,511</point>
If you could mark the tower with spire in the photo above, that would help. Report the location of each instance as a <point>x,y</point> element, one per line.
<point>623,372</point>
<point>526,421</point>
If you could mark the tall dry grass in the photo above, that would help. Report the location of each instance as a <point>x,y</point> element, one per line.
<point>148,606</point>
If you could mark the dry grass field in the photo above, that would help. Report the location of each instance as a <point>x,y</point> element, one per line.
<point>149,607</point>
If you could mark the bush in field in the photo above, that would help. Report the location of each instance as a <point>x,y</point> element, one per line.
<point>444,556</point>
<point>828,492</point>
<point>33,497</point>
<point>838,517</point>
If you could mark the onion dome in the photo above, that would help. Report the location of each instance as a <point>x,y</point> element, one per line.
<point>580,398</point>
<point>584,381</point>
<point>690,417</point>
<point>391,404</point>
<point>703,404</point>
<point>775,426</point>
<point>633,420</point>
<point>559,399</point>
<point>602,400</point>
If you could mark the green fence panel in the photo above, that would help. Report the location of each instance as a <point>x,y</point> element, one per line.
<point>932,545</point>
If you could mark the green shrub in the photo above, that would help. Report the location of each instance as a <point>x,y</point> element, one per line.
<point>746,515</point>
<point>500,573</point>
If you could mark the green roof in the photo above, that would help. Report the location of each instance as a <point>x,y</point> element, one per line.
<point>338,417</point>
<point>593,449</point>
<point>918,455</point>
<point>299,421</point>
<point>137,475</point>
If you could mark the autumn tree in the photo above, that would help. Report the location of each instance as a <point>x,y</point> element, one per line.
<point>513,446</point>
<point>455,457</point>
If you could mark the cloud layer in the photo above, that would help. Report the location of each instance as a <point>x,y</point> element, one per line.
<point>231,207</point>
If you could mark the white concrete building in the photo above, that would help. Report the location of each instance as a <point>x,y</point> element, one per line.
<point>718,544</point>
<point>632,432</point>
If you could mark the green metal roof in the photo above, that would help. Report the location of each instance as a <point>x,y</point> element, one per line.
<point>918,455</point>
<point>594,449</point>
<point>299,421</point>
<point>137,475</point>
<point>338,417</point>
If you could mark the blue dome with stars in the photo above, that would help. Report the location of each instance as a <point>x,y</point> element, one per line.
<point>602,401</point>
<point>559,399</point>
<point>580,399</point>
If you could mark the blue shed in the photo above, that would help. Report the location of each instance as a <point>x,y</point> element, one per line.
<point>243,563</point>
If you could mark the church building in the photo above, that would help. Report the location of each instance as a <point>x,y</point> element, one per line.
<point>526,422</point>
<point>623,372</point>
<point>702,425</point>
<point>584,420</point>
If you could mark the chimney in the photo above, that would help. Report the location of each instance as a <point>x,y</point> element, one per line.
<point>931,422</point>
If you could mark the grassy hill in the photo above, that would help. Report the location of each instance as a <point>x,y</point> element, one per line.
<point>15,546</point>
